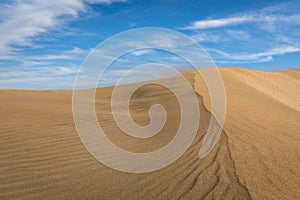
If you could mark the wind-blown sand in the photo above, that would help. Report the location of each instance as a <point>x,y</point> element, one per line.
<point>256,157</point>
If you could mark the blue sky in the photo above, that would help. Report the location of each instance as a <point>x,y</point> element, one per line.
<point>43,43</point>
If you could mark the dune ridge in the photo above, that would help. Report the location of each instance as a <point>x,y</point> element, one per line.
<point>263,129</point>
<point>256,157</point>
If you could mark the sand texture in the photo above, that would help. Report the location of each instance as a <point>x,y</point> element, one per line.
<point>256,157</point>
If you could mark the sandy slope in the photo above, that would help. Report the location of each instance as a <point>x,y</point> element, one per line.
<point>257,156</point>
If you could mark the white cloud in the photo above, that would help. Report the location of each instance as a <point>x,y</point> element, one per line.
<point>142,52</point>
<point>107,2</point>
<point>66,70</point>
<point>264,56</point>
<point>77,50</point>
<point>260,60</point>
<point>217,36</point>
<point>238,34</point>
<point>207,37</point>
<point>264,17</point>
<point>21,21</point>
<point>40,59</point>
<point>24,20</point>
<point>51,71</point>
<point>216,23</point>
<point>277,51</point>
<point>53,57</point>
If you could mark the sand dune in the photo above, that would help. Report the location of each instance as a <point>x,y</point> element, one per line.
<point>256,157</point>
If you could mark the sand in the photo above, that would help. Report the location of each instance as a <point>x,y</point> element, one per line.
<point>256,157</point>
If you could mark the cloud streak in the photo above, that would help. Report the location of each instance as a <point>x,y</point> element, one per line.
<point>264,56</point>
<point>264,17</point>
<point>216,23</point>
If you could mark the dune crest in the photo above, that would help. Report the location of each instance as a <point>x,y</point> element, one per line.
<point>262,125</point>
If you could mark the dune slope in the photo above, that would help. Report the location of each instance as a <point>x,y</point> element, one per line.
<point>257,155</point>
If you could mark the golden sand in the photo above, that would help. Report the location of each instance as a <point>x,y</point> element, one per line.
<point>256,157</point>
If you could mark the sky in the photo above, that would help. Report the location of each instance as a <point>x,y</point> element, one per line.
<point>44,43</point>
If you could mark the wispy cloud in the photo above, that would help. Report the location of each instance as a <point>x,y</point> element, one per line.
<point>41,58</point>
<point>216,36</point>
<point>72,54</point>
<point>207,37</point>
<point>264,56</point>
<point>33,18</point>
<point>142,52</point>
<point>38,77</point>
<point>22,21</point>
<point>266,17</point>
<point>271,31</point>
<point>238,34</point>
<point>106,2</point>
<point>216,23</point>
<point>40,72</point>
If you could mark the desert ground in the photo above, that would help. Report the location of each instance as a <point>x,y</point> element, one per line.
<point>256,157</point>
